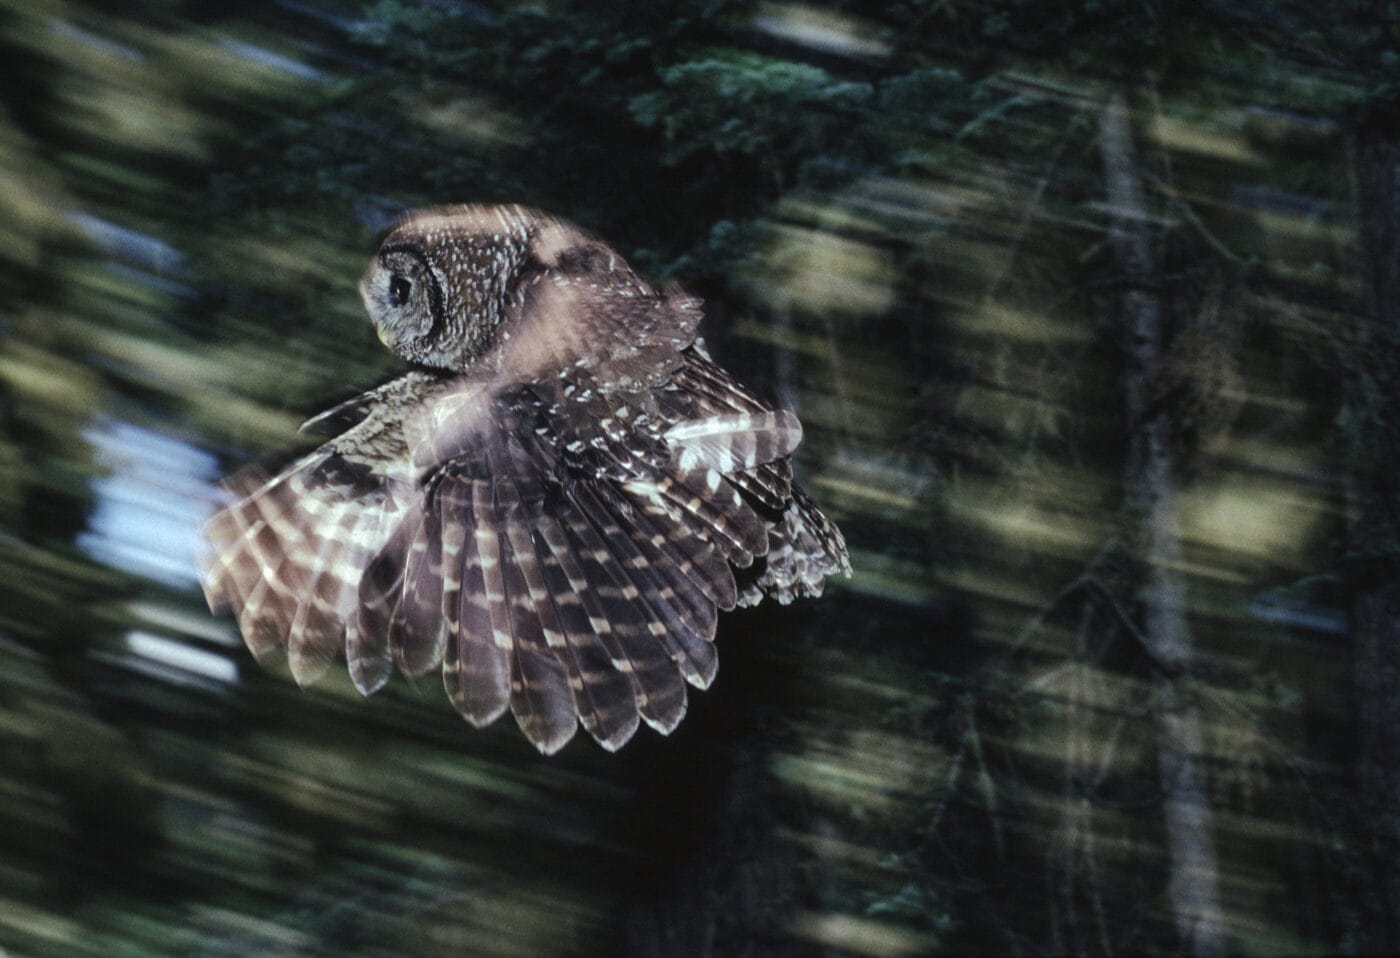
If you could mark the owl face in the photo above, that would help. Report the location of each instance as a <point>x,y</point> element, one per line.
<point>437,288</point>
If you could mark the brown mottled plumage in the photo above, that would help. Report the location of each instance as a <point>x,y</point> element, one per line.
<point>550,504</point>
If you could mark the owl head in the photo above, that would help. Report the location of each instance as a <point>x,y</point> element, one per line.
<point>443,279</point>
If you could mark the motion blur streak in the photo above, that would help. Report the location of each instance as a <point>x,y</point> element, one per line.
<point>1072,302</point>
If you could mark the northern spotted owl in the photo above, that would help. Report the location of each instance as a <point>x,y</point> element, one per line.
<point>551,503</point>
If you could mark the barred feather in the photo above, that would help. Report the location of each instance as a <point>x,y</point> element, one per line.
<point>735,442</point>
<point>417,634</point>
<point>805,549</point>
<point>368,651</point>
<point>611,711</point>
<point>769,487</point>
<point>553,505</point>
<point>712,507</point>
<point>678,613</point>
<point>632,639</point>
<point>675,543</point>
<point>540,698</point>
<point>280,555</point>
<point>317,629</point>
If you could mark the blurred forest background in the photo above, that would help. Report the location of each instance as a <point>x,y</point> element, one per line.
<point>1091,310</point>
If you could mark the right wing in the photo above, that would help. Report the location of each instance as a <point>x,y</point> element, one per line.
<point>574,544</point>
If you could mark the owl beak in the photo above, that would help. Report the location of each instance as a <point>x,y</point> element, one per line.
<point>366,288</point>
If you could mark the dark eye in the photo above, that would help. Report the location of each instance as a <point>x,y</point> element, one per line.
<point>399,288</point>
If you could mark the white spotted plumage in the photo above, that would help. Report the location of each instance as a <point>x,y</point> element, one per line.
<point>552,505</point>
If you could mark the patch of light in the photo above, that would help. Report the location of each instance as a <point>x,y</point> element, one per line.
<point>179,621</point>
<point>150,506</point>
<point>158,283</point>
<point>179,660</point>
<point>109,47</point>
<point>126,243</point>
<point>267,58</point>
<point>318,13</point>
<point>1299,615</point>
<point>817,30</point>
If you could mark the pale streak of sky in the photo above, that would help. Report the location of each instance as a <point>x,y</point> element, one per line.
<point>150,505</point>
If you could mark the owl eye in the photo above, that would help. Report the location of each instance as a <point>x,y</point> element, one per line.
<point>399,288</point>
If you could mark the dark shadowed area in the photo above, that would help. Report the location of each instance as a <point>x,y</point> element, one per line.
<point>1090,311</point>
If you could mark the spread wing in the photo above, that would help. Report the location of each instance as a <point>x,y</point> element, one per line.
<point>804,546</point>
<point>556,527</point>
<point>560,548</point>
<point>568,561</point>
<point>287,551</point>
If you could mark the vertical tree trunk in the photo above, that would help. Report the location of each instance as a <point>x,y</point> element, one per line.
<point>1375,409</point>
<point>1151,506</point>
<point>714,877</point>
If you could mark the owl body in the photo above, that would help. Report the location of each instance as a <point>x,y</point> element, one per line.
<point>552,504</point>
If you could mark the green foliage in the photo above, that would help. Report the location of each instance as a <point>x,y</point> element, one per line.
<point>897,216</point>
<point>737,102</point>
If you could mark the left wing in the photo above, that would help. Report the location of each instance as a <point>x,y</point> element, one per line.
<point>287,551</point>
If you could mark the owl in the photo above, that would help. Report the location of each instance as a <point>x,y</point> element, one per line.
<point>550,504</point>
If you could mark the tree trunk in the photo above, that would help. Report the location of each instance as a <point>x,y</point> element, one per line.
<point>714,875</point>
<point>1375,409</point>
<point>1194,890</point>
